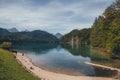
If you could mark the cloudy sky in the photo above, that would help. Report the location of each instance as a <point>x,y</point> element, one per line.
<point>50,15</point>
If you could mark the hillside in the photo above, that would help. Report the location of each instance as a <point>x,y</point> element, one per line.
<point>13,30</point>
<point>4,32</point>
<point>10,69</point>
<point>77,37</point>
<point>33,36</point>
<point>104,34</point>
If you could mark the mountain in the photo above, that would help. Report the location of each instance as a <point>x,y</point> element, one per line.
<point>4,31</point>
<point>77,37</point>
<point>13,30</point>
<point>25,30</point>
<point>58,35</point>
<point>31,36</point>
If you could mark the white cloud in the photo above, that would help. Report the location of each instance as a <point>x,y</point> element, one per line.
<point>53,17</point>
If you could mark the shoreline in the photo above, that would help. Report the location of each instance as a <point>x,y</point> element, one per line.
<point>62,72</point>
<point>26,62</point>
<point>102,66</point>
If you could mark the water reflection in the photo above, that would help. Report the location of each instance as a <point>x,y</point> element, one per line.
<point>36,48</point>
<point>63,58</point>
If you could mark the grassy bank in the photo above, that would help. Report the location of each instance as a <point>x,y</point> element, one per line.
<point>106,58</point>
<point>10,69</point>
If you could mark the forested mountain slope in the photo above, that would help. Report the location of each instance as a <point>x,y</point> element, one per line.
<point>33,36</point>
<point>105,31</point>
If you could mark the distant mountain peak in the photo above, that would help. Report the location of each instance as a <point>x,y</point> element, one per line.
<point>13,30</point>
<point>25,30</point>
<point>58,35</point>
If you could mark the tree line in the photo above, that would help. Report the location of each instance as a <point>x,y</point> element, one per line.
<point>104,33</point>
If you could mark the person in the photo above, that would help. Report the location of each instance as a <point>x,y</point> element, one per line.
<point>22,54</point>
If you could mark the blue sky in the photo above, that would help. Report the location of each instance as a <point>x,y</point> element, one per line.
<point>51,15</point>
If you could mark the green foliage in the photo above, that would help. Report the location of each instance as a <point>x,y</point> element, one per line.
<point>11,70</point>
<point>105,31</point>
<point>81,35</point>
<point>33,36</point>
<point>116,46</point>
<point>6,45</point>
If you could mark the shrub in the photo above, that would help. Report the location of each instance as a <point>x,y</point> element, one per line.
<point>6,45</point>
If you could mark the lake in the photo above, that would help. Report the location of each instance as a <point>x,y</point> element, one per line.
<point>68,59</point>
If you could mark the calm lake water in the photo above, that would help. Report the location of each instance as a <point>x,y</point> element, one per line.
<point>67,59</point>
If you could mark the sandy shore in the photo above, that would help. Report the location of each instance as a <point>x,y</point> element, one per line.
<point>102,66</point>
<point>47,75</point>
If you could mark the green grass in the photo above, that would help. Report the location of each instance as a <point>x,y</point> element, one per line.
<point>10,69</point>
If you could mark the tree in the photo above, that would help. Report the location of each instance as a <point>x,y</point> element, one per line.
<point>105,31</point>
<point>78,36</point>
<point>115,49</point>
<point>6,45</point>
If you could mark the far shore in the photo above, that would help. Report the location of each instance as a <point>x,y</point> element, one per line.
<point>48,75</point>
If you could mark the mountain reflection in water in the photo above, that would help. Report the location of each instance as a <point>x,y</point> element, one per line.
<point>66,59</point>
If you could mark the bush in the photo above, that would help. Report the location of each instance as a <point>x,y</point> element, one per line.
<point>6,45</point>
